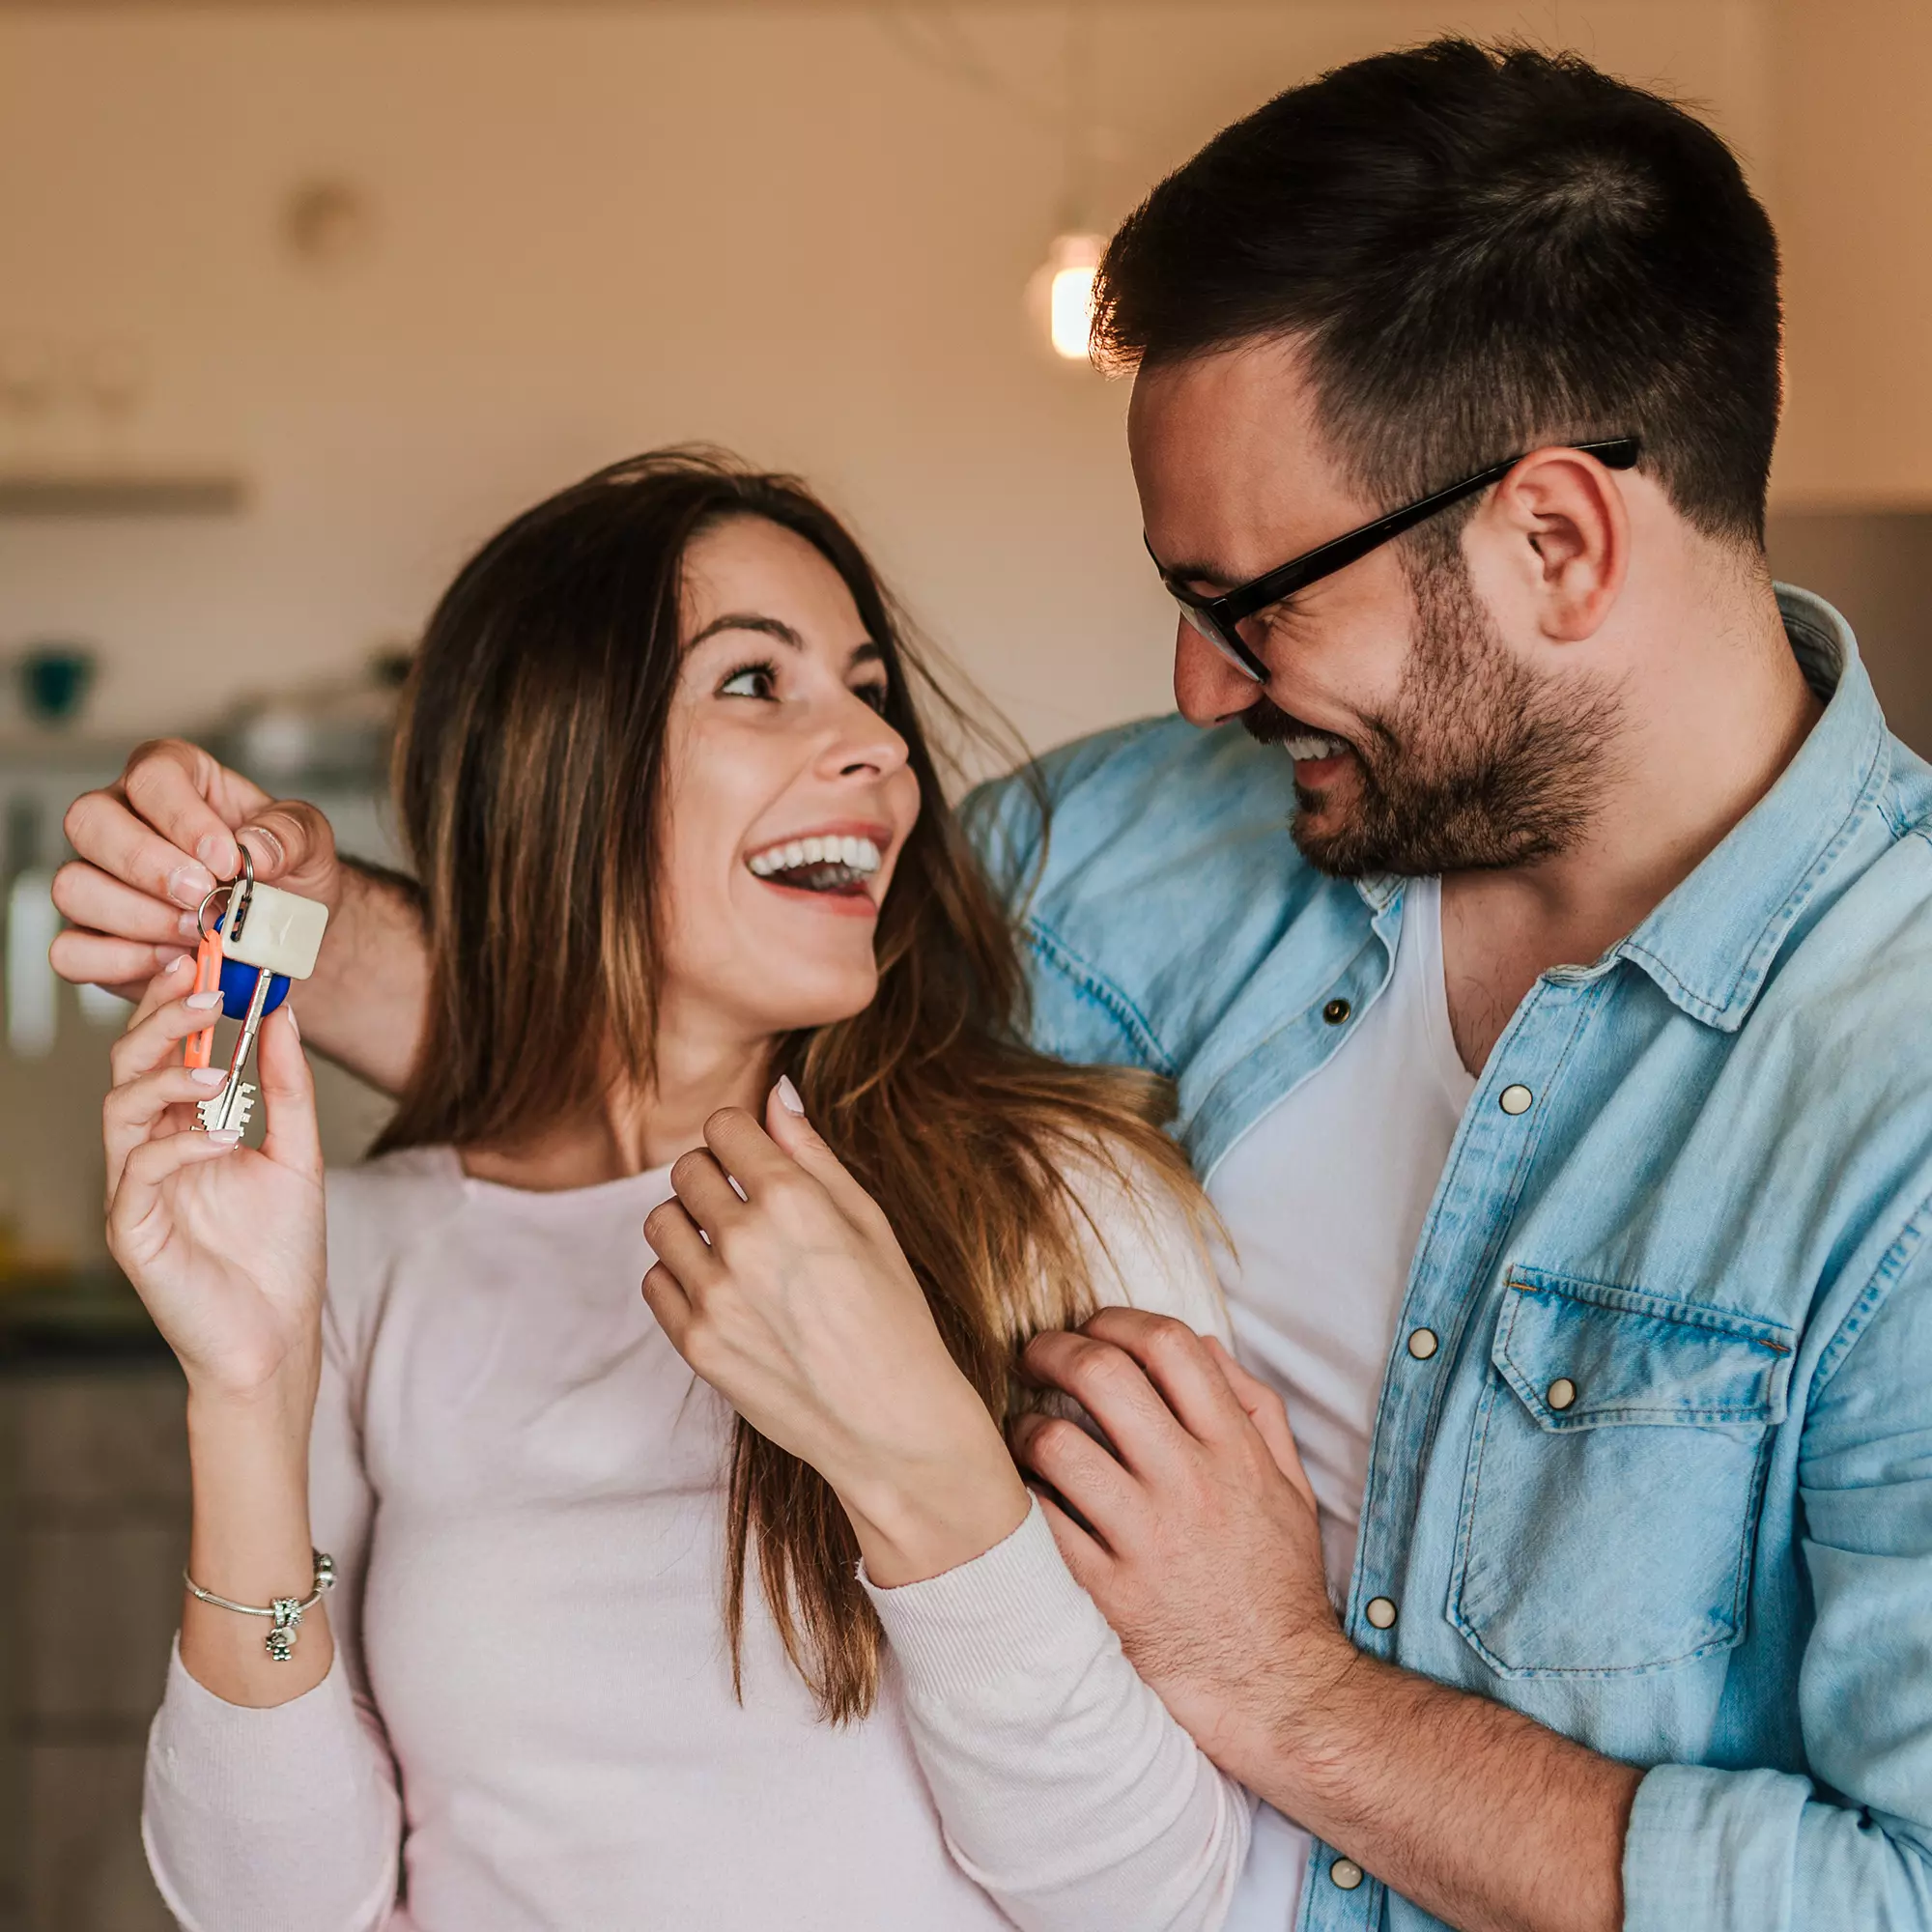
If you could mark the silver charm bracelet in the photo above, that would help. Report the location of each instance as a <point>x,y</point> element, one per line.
<point>287,1612</point>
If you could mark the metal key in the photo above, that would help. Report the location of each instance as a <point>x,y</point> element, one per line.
<point>236,1101</point>
<point>278,933</point>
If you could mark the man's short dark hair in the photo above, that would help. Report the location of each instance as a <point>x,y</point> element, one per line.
<point>1484,249</point>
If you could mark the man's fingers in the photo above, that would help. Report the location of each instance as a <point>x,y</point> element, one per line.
<point>1113,1389</point>
<point>292,1139</point>
<point>107,834</point>
<point>95,899</point>
<point>1177,1363</point>
<point>1088,1561</point>
<point>703,1187</point>
<point>1269,1413</point>
<point>123,966</point>
<point>1062,1453</point>
<point>193,800</point>
<point>293,844</point>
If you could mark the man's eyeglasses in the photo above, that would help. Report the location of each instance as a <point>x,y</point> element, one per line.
<point>1218,619</point>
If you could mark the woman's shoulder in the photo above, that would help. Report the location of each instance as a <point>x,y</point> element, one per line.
<point>1144,1236</point>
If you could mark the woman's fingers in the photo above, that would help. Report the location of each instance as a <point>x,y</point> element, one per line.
<point>156,1027</point>
<point>794,1135</point>
<point>292,1139</point>
<point>705,1190</point>
<point>665,1298</point>
<point>135,1110</point>
<point>138,1195</point>
<point>676,1241</point>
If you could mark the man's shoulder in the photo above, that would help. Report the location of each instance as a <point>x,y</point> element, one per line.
<point>1144,799</point>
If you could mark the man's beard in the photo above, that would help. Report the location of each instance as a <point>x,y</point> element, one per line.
<point>1477,766</point>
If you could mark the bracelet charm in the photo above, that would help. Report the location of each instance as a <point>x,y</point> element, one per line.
<point>285,1614</point>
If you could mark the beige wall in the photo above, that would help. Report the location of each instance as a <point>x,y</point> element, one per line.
<point>605,228</point>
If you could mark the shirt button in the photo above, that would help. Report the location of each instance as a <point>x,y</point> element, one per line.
<point>1423,1343</point>
<point>1380,1612</point>
<point>1346,1873</point>
<point>1516,1099</point>
<point>1561,1393</point>
<point>1336,1012</point>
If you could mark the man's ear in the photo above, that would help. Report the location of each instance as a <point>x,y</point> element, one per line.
<point>1565,541</point>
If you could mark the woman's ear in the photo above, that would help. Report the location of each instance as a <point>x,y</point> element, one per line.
<point>1562,520</point>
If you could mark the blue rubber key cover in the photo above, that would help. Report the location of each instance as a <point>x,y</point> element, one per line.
<point>238,988</point>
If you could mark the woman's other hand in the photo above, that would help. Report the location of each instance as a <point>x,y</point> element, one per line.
<point>223,1243</point>
<point>796,1303</point>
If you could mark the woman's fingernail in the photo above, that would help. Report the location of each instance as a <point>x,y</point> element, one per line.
<point>208,1076</point>
<point>788,1096</point>
<point>202,1002</point>
<point>268,853</point>
<point>225,1138</point>
<point>174,964</point>
<point>295,1025</point>
<point>188,885</point>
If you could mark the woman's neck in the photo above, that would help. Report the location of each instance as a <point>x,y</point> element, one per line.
<point>633,1131</point>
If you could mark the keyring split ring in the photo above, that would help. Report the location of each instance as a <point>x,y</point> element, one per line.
<point>246,878</point>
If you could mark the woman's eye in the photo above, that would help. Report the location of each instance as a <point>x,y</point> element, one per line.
<point>749,681</point>
<point>874,694</point>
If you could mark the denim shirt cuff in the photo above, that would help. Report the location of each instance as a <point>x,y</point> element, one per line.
<point>1711,1850</point>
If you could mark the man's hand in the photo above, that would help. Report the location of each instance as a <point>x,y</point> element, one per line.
<point>153,844</point>
<point>1203,1554</point>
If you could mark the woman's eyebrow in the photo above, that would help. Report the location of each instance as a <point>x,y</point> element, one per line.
<point>750,620</point>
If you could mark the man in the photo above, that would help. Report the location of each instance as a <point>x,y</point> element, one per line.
<point>1565,1085</point>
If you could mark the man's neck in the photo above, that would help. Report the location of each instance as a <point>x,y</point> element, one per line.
<point>1715,715</point>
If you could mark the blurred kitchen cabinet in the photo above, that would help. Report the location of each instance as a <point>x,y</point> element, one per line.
<point>92,1531</point>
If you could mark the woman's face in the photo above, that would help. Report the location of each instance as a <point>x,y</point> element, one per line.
<point>787,796</point>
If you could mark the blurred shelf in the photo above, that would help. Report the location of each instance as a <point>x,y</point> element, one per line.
<point>121,494</point>
<point>89,1316</point>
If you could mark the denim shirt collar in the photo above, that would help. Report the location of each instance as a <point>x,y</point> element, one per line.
<point>1711,943</point>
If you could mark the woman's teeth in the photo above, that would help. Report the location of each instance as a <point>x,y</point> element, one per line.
<point>1310,746</point>
<point>824,863</point>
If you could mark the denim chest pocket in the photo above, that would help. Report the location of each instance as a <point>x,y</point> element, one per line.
<point>1612,1499</point>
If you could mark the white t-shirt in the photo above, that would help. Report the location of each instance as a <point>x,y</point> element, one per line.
<point>1324,1199</point>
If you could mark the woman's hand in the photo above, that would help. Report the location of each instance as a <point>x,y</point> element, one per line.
<point>796,1303</point>
<point>223,1243</point>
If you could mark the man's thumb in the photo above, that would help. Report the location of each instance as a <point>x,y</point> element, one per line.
<point>293,845</point>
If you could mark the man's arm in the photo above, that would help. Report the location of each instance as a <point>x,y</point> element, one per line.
<point>155,842</point>
<point>1205,1555</point>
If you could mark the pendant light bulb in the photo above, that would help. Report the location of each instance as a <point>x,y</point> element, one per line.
<point>1070,265</point>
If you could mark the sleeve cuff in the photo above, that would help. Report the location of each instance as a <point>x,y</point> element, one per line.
<point>259,1766</point>
<point>1713,1850</point>
<point>1014,1611</point>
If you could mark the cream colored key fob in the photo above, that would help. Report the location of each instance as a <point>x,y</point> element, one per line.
<point>279,931</point>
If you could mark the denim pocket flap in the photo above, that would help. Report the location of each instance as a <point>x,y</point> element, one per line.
<point>1582,1353</point>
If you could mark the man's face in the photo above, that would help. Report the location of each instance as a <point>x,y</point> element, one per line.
<point>1423,740</point>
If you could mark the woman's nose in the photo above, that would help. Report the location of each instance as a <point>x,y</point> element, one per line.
<point>866,745</point>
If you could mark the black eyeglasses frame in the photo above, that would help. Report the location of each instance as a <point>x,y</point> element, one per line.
<point>1218,618</point>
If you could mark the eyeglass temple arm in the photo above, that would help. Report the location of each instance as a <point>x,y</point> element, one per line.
<point>1615,453</point>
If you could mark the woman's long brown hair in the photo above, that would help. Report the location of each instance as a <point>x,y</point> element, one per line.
<point>530,776</point>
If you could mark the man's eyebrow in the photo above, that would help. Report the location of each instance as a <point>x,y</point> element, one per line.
<point>750,620</point>
<point>1190,573</point>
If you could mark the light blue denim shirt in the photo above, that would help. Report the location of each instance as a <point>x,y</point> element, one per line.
<point>1666,1486</point>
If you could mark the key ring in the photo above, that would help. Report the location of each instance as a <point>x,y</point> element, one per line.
<point>244,878</point>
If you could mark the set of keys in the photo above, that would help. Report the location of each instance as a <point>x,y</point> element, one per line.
<point>262,939</point>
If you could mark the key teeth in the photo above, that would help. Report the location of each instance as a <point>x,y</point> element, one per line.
<point>239,1111</point>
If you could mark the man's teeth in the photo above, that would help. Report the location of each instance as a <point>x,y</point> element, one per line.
<point>858,857</point>
<point>1311,745</point>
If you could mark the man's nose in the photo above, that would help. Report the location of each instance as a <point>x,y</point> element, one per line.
<point>1207,687</point>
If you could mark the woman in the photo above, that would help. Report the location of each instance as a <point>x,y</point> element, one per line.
<point>599,1653</point>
